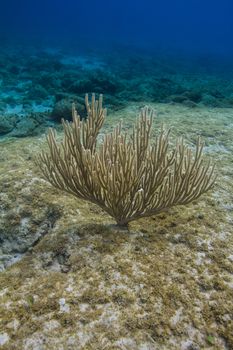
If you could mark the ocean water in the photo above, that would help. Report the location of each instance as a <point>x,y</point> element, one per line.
<point>70,278</point>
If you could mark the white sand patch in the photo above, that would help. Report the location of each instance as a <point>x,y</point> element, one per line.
<point>3,291</point>
<point>4,338</point>
<point>177,317</point>
<point>63,306</point>
<point>84,307</point>
<point>14,324</point>
<point>51,325</point>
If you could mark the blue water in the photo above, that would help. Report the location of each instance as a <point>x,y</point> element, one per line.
<point>197,26</point>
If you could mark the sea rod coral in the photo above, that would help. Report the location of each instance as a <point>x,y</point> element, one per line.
<point>127,175</point>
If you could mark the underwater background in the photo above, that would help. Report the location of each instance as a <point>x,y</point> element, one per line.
<point>68,280</point>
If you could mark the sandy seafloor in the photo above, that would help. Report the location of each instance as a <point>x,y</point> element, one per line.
<point>71,281</point>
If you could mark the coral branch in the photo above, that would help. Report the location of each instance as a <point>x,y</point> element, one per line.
<point>126,175</point>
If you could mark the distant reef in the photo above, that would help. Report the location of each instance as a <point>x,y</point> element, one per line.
<point>38,85</point>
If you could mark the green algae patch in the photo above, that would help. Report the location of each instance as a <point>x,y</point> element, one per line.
<point>81,283</point>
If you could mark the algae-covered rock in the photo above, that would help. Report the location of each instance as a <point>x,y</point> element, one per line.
<point>20,230</point>
<point>29,125</point>
<point>7,123</point>
<point>192,95</point>
<point>22,225</point>
<point>25,127</point>
<point>63,109</point>
<point>210,100</point>
<point>37,92</point>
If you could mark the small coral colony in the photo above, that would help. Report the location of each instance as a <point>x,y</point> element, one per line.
<point>126,174</point>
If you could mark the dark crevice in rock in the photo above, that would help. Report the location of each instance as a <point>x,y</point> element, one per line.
<point>58,262</point>
<point>17,240</point>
